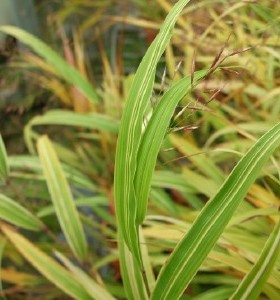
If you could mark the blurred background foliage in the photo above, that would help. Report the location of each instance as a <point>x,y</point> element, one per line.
<point>213,126</point>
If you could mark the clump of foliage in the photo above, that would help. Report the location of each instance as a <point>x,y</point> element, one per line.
<point>130,189</point>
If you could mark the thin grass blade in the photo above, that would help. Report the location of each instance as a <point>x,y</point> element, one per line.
<point>15,214</point>
<point>53,271</point>
<point>205,165</point>
<point>149,273</point>
<point>95,290</point>
<point>130,133</point>
<point>31,164</point>
<point>4,167</point>
<point>252,284</point>
<point>219,293</point>
<point>191,251</point>
<point>62,199</point>
<point>171,180</point>
<point>70,118</point>
<point>65,70</point>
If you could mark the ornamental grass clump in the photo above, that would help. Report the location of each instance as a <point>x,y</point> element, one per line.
<point>171,229</point>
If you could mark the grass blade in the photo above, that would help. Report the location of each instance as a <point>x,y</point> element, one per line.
<point>131,274</point>
<point>148,269</point>
<point>3,242</point>
<point>191,251</point>
<point>66,71</point>
<point>70,118</point>
<point>220,293</point>
<point>252,284</point>
<point>171,180</point>
<point>153,137</point>
<point>130,133</point>
<point>62,199</point>
<point>4,167</point>
<point>93,288</point>
<point>205,165</point>
<point>31,164</point>
<point>15,214</point>
<point>47,266</point>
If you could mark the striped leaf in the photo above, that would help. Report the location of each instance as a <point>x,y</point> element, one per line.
<point>48,267</point>
<point>62,199</point>
<point>15,214</point>
<point>130,133</point>
<point>191,251</point>
<point>95,290</point>
<point>66,71</point>
<point>252,284</point>
<point>153,137</point>
<point>149,273</point>
<point>4,168</point>
<point>131,274</point>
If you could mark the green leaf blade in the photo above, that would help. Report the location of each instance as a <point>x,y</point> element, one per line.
<point>31,164</point>
<point>91,286</point>
<point>153,137</point>
<point>131,274</point>
<point>130,132</point>
<point>66,71</point>
<point>70,118</point>
<point>191,251</point>
<point>47,266</point>
<point>4,167</point>
<point>252,284</point>
<point>62,199</point>
<point>15,214</point>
